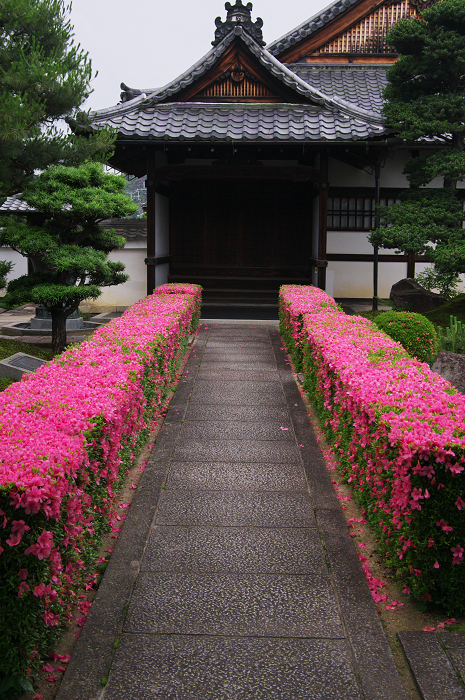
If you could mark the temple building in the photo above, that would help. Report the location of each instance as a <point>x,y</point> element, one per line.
<point>264,163</point>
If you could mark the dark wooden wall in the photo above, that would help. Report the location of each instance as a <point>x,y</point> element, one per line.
<point>241,227</point>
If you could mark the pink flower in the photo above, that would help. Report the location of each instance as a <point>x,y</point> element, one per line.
<point>458,554</point>
<point>14,540</point>
<point>19,526</point>
<point>459,503</point>
<point>442,524</point>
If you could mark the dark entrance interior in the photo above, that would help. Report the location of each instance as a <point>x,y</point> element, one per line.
<point>241,239</point>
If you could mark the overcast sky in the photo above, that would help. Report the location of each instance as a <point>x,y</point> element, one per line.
<point>148,43</point>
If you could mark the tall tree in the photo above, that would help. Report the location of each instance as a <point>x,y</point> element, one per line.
<point>69,249</point>
<point>426,104</point>
<point>43,77</point>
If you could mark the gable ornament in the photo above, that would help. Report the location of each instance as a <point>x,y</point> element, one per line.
<point>239,15</point>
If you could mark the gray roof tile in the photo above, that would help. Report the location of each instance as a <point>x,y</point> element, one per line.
<point>359,85</point>
<point>239,122</point>
<point>14,205</point>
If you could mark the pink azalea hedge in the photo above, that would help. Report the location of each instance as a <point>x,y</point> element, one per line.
<point>295,301</point>
<point>399,431</point>
<point>68,434</point>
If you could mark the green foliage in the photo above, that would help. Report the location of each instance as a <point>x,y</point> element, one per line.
<point>427,84</point>
<point>43,77</point>
<point>5,268</point>
<point>425,98</point>
<point>68,250</point>
<point>413,331</point>
<point>441,283</point>
<point>453,338</point>
<point>441,315</point>
<point>5,382</point>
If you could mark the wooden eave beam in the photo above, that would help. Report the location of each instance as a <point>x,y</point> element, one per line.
<point>219,172</point>
<point>332,29</point>
<point>238,53</point>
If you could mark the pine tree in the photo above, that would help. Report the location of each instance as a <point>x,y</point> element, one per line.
<point>43,77</point>
<point>426,107</point>
<point>69,249</point>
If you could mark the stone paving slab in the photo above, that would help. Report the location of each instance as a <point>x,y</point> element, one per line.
<point>233,604</point>
<point>236,508</point>
<point>238,375</point>
<point>433,671</point>
<point>237,413</point>
<point>218,668</point>
<point>223,476</point>
<point>238,393</point>
<point>238,430</point>
<point>259,365</point>
<point>454,643</point>
<point>236,450</point>
<point>249,346</point>
<point>243,550</point>
<point>251,357</point>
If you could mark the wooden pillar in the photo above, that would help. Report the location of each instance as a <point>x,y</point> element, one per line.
<point>410,265</point>
<point>323,220</point>
<point>151,198</point>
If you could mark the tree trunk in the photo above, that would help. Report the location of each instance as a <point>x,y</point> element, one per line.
<point>59,317</point>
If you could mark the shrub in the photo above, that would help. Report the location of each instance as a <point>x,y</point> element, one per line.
<point>398,429</point>
<point>453,339</point>
<point>294,302</point>
<point>413,331</point>
<point>68,434</point>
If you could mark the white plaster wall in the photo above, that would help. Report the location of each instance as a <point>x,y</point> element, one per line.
<point>354,280</point>
<point>132,256</point>
<point>162,226</point>
<point>345,175</point>
<point>352,242</point>
<point>19,262</point>
<point>161,274</point>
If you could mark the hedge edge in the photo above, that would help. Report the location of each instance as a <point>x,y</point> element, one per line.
<point>69,432</point>
<point>398,429</point>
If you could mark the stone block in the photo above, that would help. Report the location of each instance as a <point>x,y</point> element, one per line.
<point>451,366</point>
<point>408,294</point>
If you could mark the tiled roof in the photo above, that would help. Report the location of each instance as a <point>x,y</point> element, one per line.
<point>14,205</point>
<point>309,27</point>
<point>357,85</point>
<point>277,69</point>
<point>193,121</point>
<point>339,106</point>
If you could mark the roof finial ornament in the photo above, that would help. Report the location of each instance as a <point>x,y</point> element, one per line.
<point>239,15</point>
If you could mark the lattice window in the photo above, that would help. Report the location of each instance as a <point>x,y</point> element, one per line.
<point>231,88</point>
<point>369,35</point>
<point>354,213</point>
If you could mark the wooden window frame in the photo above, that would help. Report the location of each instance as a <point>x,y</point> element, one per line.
<point>350,210</point>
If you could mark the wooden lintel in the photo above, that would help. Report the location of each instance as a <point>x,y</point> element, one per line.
<point>353,257</point>
<point>220,172</point>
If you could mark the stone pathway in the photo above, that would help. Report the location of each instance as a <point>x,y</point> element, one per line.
<point>234,577</point>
